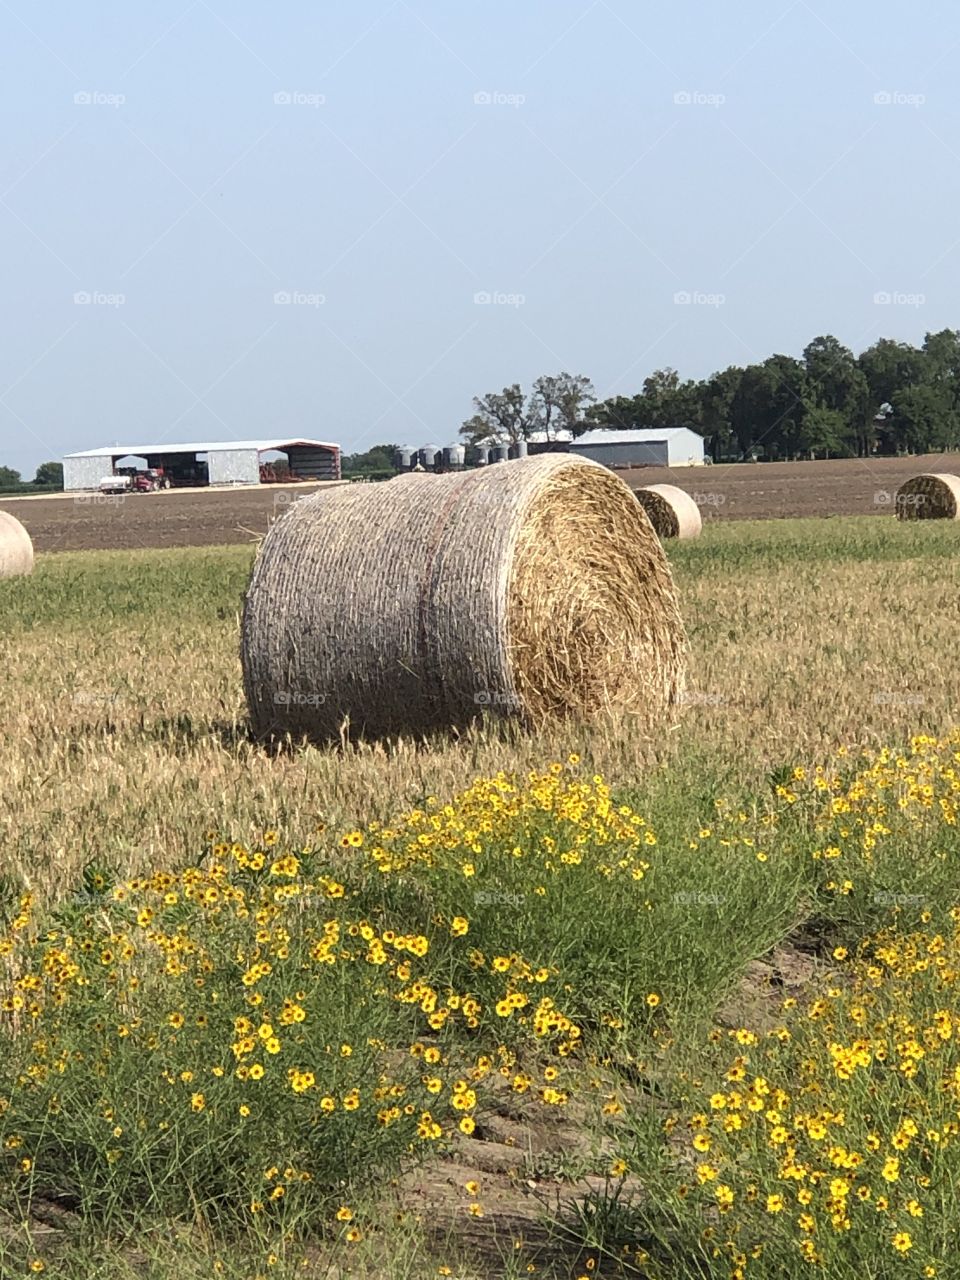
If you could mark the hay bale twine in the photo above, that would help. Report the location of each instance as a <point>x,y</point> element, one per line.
<point>16,549</point>
<point>535,589</point>
<point>673,513</point>
<point>932,496</point>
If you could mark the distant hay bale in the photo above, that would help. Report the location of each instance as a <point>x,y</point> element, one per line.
<point>16,549</point>
<point>673,513</point>
<point>534,590</point>
<point>932,496</point>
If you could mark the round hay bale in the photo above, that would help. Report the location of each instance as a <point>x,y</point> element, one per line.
<point>673,513</point>
<point>16,549</point>
<point>932,496</point>
<point>535,589</point>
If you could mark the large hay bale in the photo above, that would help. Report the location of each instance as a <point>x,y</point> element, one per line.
<point>16,549</point>
<point>673,513</point>
<point>534,589</point>
<point>932,496</point>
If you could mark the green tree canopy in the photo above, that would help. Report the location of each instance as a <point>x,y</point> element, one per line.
<point>556,403</point>
<point>49,473</point>
<point>379,458</point>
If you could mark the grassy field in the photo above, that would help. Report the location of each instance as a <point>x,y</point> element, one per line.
<point>746,897</point>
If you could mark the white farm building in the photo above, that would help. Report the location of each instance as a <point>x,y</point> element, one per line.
<point>647,447</point>
<point>211,462</point>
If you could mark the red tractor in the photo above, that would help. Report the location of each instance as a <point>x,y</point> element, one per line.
<point>150,481</point>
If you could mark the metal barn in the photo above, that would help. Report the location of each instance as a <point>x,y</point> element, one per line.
<point>673,447</point>
<point>214,462</point>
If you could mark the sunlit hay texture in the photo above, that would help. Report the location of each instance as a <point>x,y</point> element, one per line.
<point>16,549</point>
<point>673,513</point>
<point>532,589</point>
<point>930,496</point>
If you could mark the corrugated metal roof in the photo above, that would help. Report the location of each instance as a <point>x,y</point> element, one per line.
<point>642,435</point>
<point>208,446</point>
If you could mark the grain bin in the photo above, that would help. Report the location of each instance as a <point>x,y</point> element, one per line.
<point>673,513</point>
<point>500,453</point>
<point>428,456</point>
<point>519,449</point>
<point>403,459</point>
<point>932,496</point>
<point>16,549</point>
<point>535,590</point>
<point>454,455</point>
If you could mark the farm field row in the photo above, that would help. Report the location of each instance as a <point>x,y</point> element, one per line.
<point>210,517</point>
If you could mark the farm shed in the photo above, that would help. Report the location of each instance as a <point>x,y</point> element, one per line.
<point>213,462</point>
<point>649,447</point>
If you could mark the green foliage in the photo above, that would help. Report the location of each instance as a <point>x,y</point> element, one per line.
<point>556,404</point>
<point>664,402</point>
<point>129,586</point>
<point>893,398</point>
<point>381,459</point>
<point>50,475</point>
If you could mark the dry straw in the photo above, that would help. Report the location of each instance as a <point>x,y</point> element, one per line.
<point>673,513</point>
<point>931,496</point>
<point>533,589</point>
<point>16,549</point>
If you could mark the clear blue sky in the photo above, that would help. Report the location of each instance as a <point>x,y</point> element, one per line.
<point>583,195</point>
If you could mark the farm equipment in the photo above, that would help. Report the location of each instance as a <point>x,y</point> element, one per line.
<point>276,473</point>
<point>150,481</point>
<point>131,480</point>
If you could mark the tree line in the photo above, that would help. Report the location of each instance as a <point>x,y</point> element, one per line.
<point>893,398</point>
<point>49,476</point>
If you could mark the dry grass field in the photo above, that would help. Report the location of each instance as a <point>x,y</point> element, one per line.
<point>126,723</point>
<point>125,747</point>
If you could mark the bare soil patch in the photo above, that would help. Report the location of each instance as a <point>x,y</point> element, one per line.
<point>216,517</point>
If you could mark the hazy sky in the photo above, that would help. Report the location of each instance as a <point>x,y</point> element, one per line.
<point>383,162</point>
